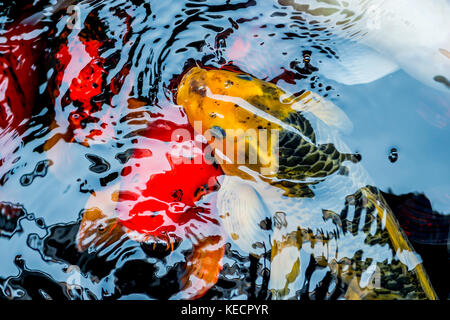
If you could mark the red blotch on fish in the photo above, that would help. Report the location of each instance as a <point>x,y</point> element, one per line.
<point>168,194</point>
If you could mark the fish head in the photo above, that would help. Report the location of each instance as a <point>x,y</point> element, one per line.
<point>233,111</point>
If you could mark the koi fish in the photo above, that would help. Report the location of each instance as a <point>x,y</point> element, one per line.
<point>384,36</point>
<point>82,96</point>
<point>165,196</point>
<point>324,214</point>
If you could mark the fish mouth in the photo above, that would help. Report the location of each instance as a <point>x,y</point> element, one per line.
<point>159,247</point>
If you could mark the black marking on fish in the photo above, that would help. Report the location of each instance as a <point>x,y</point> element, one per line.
<point>197,87</point>
<point>177,195</point>
<point>300,159</point>
<point>218,132</point>
<point>297,120</point>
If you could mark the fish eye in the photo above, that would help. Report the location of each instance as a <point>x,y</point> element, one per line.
<point>218,132</point>
<point>244,77</point>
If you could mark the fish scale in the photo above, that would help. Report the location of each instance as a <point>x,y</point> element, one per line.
<point>342,224</point>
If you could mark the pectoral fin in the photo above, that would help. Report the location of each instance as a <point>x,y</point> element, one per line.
<point>244,215</point>
<point>325,110</point>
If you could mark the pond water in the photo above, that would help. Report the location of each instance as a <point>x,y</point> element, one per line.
<point>105,72</point>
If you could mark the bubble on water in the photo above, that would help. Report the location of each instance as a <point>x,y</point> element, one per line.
<point>393,155</point>
<point>40,222</point>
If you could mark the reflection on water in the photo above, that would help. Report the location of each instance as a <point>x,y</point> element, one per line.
<point>96,201</point>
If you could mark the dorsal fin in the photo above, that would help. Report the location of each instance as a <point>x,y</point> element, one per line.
<point>244,215</point>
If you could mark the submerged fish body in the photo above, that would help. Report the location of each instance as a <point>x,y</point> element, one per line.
<point>88,91</point>
<point>165,198</point>
<point>384,36</point>
<point>162,199</point>
<point>323,212</point>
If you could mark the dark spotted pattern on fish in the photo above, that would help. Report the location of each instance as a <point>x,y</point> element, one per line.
<point>300,159</point>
